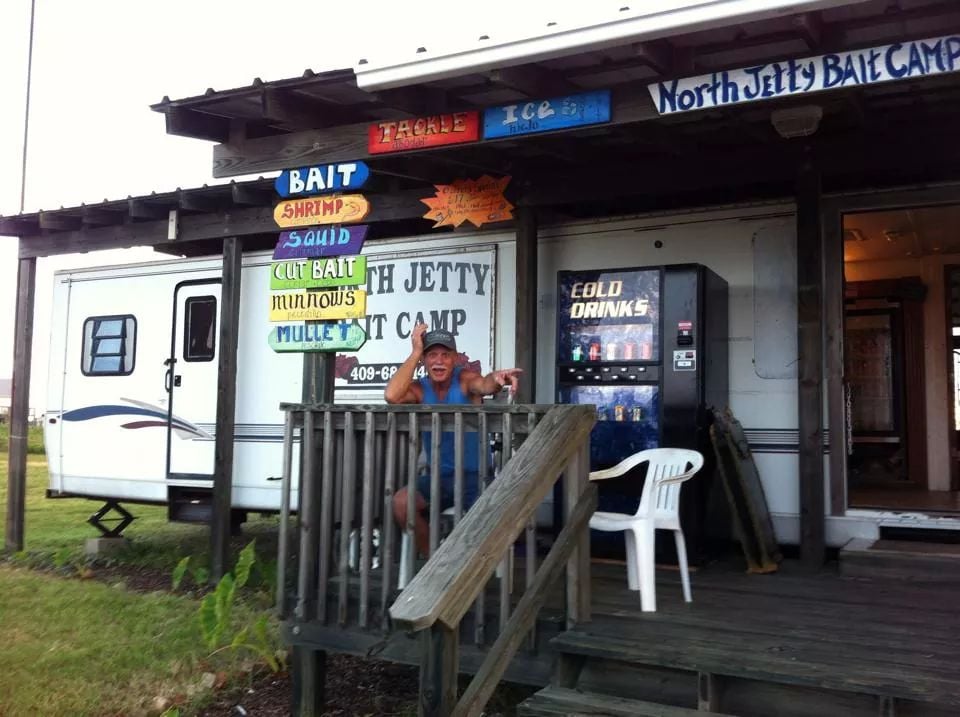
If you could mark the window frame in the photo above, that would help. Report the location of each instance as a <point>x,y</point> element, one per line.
<point>186,328</point>
<point>123,318</point>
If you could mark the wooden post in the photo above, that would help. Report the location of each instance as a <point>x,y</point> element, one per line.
<point>525,342</point>
<point>810,364</point>
<point>308,695</point>
<point>833,312</point>
<point>440,663</point>
<point>226,405</point>
<point>20,404</point>
<point>575,481</point>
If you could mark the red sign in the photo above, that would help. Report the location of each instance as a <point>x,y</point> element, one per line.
<point>423,132</point>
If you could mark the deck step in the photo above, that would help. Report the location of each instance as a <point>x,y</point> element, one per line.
<point>901,559</point>
<point>552,701</point>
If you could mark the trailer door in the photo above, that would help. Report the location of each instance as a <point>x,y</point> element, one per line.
<point>190,378</point>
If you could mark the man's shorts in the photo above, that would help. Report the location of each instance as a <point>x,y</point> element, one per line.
<point>471,489</point>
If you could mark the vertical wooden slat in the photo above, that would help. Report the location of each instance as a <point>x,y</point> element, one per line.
<point>506,566</point>
<point>388,531</point>
<point>435,437</point>
<point>226,407</point>
<point>283,538</point>
<point>326,513</point>
<point>458,463</point>
<point>308,530</point>
<point>575,480</point>
<point>833,316</point>
<point>483,463</point>
<point>413,445</point>
<point>525,330</point>
<point>366,517</point>
<point>530,553</point>
<point>440,663</point>
<point>20,404</point>
<point>810,365</point>
<point>346,514</point>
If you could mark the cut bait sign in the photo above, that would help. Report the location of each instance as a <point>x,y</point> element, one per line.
<point>450,290</point>
<point>325,178</point>
<point>899,61</point>
<point>320,241</point>
<point>318,273</point>
<point>323,336</point>
<point>547,115</point>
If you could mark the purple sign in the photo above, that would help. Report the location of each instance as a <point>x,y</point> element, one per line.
<point>311,242</point>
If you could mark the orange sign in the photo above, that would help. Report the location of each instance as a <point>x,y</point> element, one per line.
<point>478,201</point>
<point>423,132</point>
<point>346,209</point>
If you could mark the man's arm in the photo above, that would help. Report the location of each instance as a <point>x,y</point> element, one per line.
<point>493,382</point>
<point>401,388</point>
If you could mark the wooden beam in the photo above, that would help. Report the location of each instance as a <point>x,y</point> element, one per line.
<point>58,222</point>
<point>533,81</point>
<point>199,125</point>
<point>190,201</point>
<point>20,404</point>
<point>96,216</point>
<point>810,27</point>
<point>226,407</point>
<point>339,144</point>
<point>810,365</point>
<point>244,194</point>
<point>142,209</point>
<point>296,112</point>
<point>657,55</point>
<point>415,100</point>
<point>525,327</point>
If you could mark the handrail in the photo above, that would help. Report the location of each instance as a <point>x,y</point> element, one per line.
<point>457,572</point>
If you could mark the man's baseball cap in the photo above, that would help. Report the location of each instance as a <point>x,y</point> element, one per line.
<point>439,337</point>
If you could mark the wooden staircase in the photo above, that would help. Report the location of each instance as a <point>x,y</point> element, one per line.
<point>553,701</point>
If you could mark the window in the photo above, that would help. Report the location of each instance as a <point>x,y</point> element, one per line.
<point>200,329</point>
<point>109,345</point>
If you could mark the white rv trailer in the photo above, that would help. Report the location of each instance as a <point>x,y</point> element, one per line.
<point>108,436</point>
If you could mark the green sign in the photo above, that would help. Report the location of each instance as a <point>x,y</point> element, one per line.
<point>318,273</point>
<point>323,336</point>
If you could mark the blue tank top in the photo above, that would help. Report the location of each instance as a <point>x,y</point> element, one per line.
<point>471,456</point>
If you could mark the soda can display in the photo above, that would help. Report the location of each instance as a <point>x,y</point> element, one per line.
<point>611,351</point>
<point>577,353</point>
<point>630,351</point>
<point>646,350</point>
<point>594,354</point>
<point>636,414</point>
<point>619,413</point>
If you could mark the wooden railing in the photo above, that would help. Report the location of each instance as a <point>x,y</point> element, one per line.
<point>345,552</point>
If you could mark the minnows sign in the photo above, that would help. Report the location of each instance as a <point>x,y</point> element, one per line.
<point>341,177</point>
<point>318,305</point>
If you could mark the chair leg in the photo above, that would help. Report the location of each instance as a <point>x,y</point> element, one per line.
<point>646,567</point>
<point>404,576</point>
<point>682,559</point>
<point>633,581</point>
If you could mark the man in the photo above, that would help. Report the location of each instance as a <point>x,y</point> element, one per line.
<point>443,383</point>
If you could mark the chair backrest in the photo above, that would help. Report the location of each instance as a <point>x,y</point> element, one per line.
<point>667,469</point>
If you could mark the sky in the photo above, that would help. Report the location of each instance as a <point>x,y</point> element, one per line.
<point>99,64</point>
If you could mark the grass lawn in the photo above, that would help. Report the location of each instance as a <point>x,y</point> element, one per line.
<point>84,647</point>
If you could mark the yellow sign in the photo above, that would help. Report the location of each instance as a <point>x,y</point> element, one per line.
<point>318,305</point>
<point>310,211</point>
<point>478,201</point>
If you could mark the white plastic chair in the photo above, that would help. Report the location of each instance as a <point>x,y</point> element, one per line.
<point>659,510</point>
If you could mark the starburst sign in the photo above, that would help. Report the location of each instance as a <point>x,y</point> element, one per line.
<point>478,201</point>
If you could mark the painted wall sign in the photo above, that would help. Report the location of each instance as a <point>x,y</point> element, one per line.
<point>318,273</point>
<point>318,305</point>
<point>339,177</point>
<point>478,201</point>
<point>899,61</point>
<point>320,241</point>
<point>325,210</point>
<point>547,115</point>
<point>324,336</point>
<point>446,289</point>
<point>423,132</point>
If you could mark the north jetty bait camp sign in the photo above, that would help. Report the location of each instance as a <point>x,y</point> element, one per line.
<point>899,61</point>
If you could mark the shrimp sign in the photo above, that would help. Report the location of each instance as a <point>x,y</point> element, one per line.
<point>321,210</point>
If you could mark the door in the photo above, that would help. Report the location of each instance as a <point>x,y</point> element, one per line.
<point>190,379</point>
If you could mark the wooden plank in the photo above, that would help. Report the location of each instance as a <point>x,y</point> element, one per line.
<point>479,618</point>
<point>514,632</point>
<point>575,482</point>
<point>708,692</point>
<point>456,573</point>
<point>413,453</point>
<point>506,564</point>
<point>435,436</point>
<point>561,701</point>
<point>525,329</point>
<point>283,537</point>
<point>366,518</point>
<point>20,405</point>
<point>226,407</point>
<point>309,680</point>
<point>458,464</point>
<point>326,514</point>
<point>423,415</point>
<point>810,366</point>
<point>349,142</point>
<point>389,531</point>
<point>346,514</point>
<point>833,318</point>
<point>438,671</point>
<point>306,580</point>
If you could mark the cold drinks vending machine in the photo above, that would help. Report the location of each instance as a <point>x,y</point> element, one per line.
<point>648,347</point>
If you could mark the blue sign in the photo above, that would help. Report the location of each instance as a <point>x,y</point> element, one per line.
<point>899,61</point>
<point>338,177</point>
<point>547,115</point>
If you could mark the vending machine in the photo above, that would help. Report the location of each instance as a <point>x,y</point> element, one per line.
<point>648,347</point>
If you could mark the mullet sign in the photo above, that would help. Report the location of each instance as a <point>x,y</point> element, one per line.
<point>899,61</point>
<point>423,132</point>
<point>324,178</point>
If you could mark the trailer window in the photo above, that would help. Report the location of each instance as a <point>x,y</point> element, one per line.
<point>109,345</point>
<point>200,329</point>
